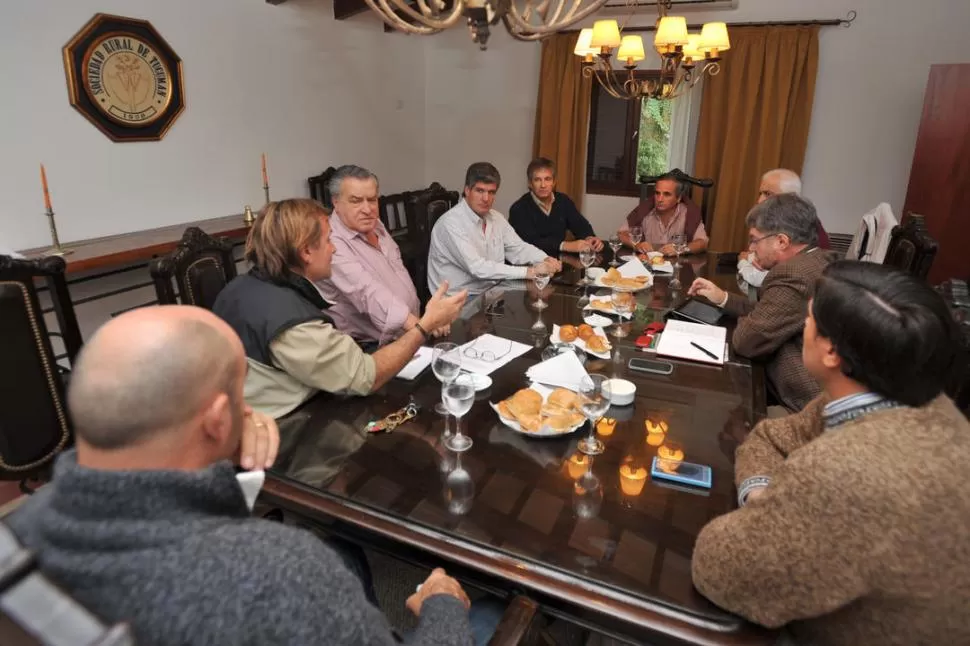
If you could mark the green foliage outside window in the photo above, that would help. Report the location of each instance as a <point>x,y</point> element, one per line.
<point>654,137</point>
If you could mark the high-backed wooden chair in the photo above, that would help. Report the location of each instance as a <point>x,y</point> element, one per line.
<point>200,267</point>
<point>35,612</point>
<point>320,187</point>
<point>695,185</point>
<point>911,248</point>
<point>34,426</point>
<point>425,207</point>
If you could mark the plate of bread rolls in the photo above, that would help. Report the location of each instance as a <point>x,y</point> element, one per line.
<point>538,411</point>
<point>591,339</point>
<point>613,279</point>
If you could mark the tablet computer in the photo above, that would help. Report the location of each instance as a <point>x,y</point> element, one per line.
<point>697,311</point>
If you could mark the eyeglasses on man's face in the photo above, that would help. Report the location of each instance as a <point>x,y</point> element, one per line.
<point>753,242</point>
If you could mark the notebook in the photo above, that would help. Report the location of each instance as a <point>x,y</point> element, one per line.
<point>678,338</point>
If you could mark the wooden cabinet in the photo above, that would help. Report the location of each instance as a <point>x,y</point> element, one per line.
<point>939,182</point>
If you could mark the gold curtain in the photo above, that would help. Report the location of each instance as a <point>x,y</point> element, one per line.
<point>754,117</point>
<point>562,114</point>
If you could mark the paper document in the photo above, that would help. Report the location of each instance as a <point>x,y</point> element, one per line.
<point>420,361</point>
<point>694,341</point>
<point>488,353</point>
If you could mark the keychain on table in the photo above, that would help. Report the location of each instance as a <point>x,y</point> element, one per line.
<point>393,420</point>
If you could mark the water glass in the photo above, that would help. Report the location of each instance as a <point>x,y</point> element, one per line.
<point>636,236</point>
<point>594,393</point>
<point>615,245</point>
<point>623,303</point>
<point>587,494</point>
<point>541,277</point>
<point>677,241</point>
<point>458,397</point>
<point>459,489</point>
<point>587,257</point>
<point>446,364</point>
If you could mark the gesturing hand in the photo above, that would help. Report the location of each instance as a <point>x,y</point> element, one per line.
<point>707,289</point>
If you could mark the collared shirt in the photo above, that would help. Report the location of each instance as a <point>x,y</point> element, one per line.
<point>371,291</point>
<point>547,209</point>
<point>471,259</point>
<point>852,407</point>
<point>657,235</point>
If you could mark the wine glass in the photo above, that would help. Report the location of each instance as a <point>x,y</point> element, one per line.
<point>587,494</point>
<point>587,257</point>
<point>594,393</point>
<point>636,237</point>
<point>622,304</point>
<point>615,245</point>
<point>541,278</point>
<point>677,241</point>
<point>458,396</point>
<point>446,364</point>
<point>459,489</point>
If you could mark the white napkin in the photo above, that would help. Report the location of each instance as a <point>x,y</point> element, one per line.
<point>420,361</point>
<point>251,482</point>
<point>564,371</point>
<point>632,268</point>
<point>666,267</point>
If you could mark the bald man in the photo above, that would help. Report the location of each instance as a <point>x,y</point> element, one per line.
<point>145,522</point>
<point>778,181</point>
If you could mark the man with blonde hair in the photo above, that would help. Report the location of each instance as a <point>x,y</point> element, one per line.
<point>146,522</point>
<point>292,347</point>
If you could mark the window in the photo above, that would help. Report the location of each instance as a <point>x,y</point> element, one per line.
<point>627,140</point>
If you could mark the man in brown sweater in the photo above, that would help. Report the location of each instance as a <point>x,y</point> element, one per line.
<point>783,232</point>
<point>855,512</point>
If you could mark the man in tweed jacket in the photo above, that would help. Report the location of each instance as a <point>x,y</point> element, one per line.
<point>855,512</point>
<point>783,232</point>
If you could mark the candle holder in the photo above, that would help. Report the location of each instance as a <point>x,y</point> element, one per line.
<point>248,216</point>
<point>55,249</point>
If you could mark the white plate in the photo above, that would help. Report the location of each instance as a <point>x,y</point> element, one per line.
<point>514,425</point>
<point>480,382</point>
<point>667,267</point>
<point>604,304</point>
<point>579,343</point>
<point>599,283</point>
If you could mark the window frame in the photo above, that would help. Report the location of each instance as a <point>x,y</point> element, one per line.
<point>630,188</point>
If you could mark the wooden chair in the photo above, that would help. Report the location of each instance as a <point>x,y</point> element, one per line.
<point>425,207</point>
<point>34,426</point>
<point>320,187</point>
<point>694,184</point>
<point>911,248</point>
<point>200,266</point>
<point>35,612</point>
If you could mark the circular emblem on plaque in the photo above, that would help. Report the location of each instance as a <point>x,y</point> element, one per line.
<point>127,80</point>
<point>124,78</point>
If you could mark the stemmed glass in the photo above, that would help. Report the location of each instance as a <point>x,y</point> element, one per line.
<point>615,245</point>
<point>587,257</point>
<point>459,489</point>
<point>446,364</point>
<point>541,278</point>
<point>636,237</point>
<point>458,396</point>
<point>587,494</point>
<point>622,305</point>
<point>594,392</point>
<point>677,241</point>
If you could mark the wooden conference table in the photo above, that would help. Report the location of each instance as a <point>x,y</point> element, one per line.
<point>583,549</point>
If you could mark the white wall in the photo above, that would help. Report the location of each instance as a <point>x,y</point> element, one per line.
<point>286,80</point>
<point>480,106</point>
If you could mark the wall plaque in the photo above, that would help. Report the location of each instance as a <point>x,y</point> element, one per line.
<point>124,78</point>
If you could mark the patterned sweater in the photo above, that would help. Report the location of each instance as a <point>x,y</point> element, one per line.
<point>860,538</point>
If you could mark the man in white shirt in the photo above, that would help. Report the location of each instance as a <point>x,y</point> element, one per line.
<point>471,243</point>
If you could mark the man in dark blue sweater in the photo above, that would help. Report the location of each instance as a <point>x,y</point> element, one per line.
<point>542,216</point>
<point>146,522</point>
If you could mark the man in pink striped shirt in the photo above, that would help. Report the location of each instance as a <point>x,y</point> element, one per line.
<point>372,295</point>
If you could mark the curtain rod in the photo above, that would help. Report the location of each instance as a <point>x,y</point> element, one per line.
<point>833,22</point>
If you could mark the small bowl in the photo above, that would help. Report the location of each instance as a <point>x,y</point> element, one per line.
<point>595,273</point>
<point>556,349</point>
<point>622,392</point>
<point>480,382</point>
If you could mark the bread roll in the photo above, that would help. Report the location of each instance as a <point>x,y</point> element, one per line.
<point>585,331</point>
<point>568,333</point>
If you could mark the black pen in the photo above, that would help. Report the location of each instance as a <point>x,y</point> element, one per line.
<point>704,350</point>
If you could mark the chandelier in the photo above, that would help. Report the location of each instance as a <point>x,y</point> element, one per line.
<point>684,58</point>
<point>524,19</point>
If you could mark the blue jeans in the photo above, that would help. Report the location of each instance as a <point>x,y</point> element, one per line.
<point>484,617</point>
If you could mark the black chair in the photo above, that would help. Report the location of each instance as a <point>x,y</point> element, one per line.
<point>35,612</point>
<point>425,207</point>
<point>705,186</point>
<point>200,266</point>
<point>34,426</point>
<point>911,248</point>
<point>320,187</point>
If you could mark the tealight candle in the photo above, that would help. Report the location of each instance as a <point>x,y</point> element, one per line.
<point>577,465</point>
<point>632,479</point>
<point>605,426</point>
<point>655,427</point>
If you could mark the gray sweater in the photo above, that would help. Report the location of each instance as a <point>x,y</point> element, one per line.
<point>177,555</point>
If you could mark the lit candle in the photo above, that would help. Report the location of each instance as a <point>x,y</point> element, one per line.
<point>43,183</point>
<point>605,426</point>
<point>577,465</point>
<point>632,479</point>
<point>655,439</point>
<point>265,177</point>
<point>670,456</point>
<point>655,427</point>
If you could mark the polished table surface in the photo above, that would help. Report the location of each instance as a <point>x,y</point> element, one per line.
<point>535,519</point>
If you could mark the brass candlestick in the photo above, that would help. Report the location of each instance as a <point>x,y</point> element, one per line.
<point>248,216</point>
<point>56,249</point>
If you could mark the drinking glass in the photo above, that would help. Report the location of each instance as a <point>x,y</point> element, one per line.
<point>677,240</point>
<point>594,393</point>
<point>541,278</point>
<point>458,396</point>
<point>587,494</point>
<point>587,257</point>
<point>459,489</point>
<point>622,304</point>
<point>636,237</point>
<point>615,245</point>
<point>446,364</point>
